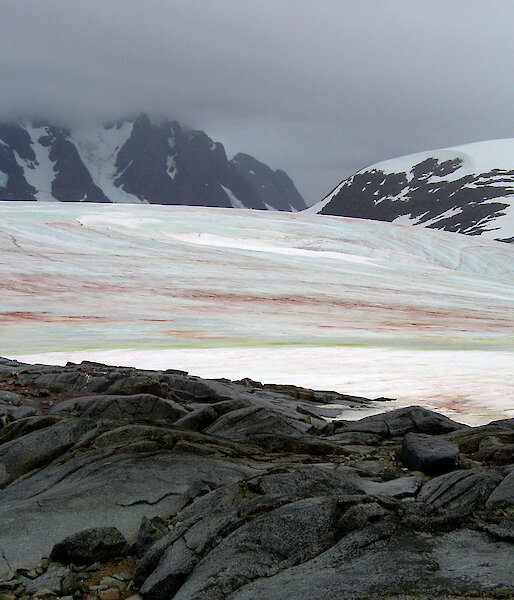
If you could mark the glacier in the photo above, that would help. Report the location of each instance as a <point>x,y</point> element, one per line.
<point>362,307</point>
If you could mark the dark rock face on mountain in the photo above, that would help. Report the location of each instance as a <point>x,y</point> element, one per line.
<point>272,187</point>
<point>13,185</point>
<point>171,486</point>
<point>455,189</point>
<point>135,161</point>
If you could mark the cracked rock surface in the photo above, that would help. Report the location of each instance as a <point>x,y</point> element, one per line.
<point>179,487</point>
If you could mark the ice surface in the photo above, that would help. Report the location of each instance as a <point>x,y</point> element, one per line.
<point>363,307</point>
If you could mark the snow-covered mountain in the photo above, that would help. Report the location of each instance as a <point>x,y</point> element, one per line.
<point>468,189</point>
<point>135,161</point>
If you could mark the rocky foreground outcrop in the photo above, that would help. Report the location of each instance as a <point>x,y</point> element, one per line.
<point>117,482</point>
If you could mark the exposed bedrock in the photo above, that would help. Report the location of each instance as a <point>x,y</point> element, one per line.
<point>179,487</point>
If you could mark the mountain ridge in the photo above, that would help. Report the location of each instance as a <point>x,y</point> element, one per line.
<point>466,189</point>
<point>134,161</point>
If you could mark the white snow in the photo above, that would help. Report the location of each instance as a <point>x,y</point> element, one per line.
<point>236,203</point>
<point>98,150</point>
<point>4,178</point>
<point>478,157</point>
<point>410,220</point>
<point>362,307</point>
<point>171,167</point>
<point>39,173</point>
<point>256,245</point>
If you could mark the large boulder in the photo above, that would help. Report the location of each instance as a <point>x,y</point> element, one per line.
<point>16,412</point>
<point>89,546</point>
<point>428,453</point>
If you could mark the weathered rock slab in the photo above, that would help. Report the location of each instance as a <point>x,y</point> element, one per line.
<point>137,407</point>
<point>460,490</point>
<point>503,495</point>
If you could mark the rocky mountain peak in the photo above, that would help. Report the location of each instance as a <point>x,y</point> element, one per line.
<point>135,160</point>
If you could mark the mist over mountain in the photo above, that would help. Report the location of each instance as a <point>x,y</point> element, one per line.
<point>133,161</point>
<point>466,189</point>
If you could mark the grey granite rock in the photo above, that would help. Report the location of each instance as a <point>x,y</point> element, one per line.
<point>260,548</point>
<point>40,447</point>
<point>401,487</point>
<point>198,419</point>
<point>379,563</point>
<point>246,423</point>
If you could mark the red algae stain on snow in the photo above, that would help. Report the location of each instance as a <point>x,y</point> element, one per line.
<point>44,317</point>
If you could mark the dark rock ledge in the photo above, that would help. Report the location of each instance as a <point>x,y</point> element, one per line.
<point>118,483</point>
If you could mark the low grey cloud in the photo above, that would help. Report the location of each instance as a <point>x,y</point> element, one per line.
<point>319,89</point>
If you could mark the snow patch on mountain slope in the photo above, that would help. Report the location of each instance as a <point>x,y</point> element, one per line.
<point>98,150</point>
<point>171,167</point>
<point>4,178</point>
<point>41,172</point>
<point>233,200</point>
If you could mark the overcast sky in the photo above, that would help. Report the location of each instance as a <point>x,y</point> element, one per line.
<point>319,88</point>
